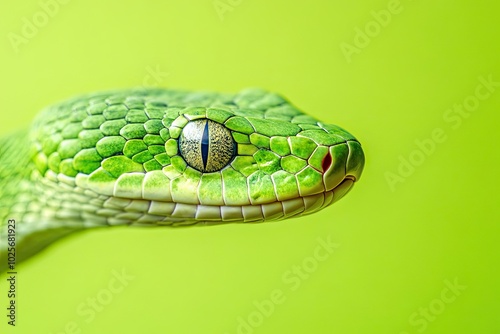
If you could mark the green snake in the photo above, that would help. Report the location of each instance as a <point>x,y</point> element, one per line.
<point>166,157</point>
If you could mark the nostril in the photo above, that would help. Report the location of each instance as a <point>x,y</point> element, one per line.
<point>327,161</point>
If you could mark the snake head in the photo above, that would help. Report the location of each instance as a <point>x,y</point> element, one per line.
<point>167,157</point>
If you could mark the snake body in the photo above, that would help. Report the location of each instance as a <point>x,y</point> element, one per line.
<point>164,157</point>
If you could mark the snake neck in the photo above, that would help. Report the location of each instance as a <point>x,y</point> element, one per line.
<point>15,170</point>
<point>23,201</point>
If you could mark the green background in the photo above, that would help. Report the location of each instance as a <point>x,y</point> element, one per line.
<point>402,239</point>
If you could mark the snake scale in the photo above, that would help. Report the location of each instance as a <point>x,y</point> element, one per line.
<point>166,157</point>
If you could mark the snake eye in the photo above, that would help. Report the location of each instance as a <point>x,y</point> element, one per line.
<point>206,145</point>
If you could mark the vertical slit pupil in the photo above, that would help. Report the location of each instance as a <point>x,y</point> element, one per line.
<point>204,145</point>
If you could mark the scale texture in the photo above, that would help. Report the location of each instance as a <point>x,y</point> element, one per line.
<point>162,157</point>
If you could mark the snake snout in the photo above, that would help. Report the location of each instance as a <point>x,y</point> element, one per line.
<point>344,162</point>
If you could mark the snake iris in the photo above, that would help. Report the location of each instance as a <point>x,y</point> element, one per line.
<point>163,157</point>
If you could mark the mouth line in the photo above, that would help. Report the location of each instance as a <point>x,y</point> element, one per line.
<point>298,206</point>
<point>178,214</point>
<point>350,177</point>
